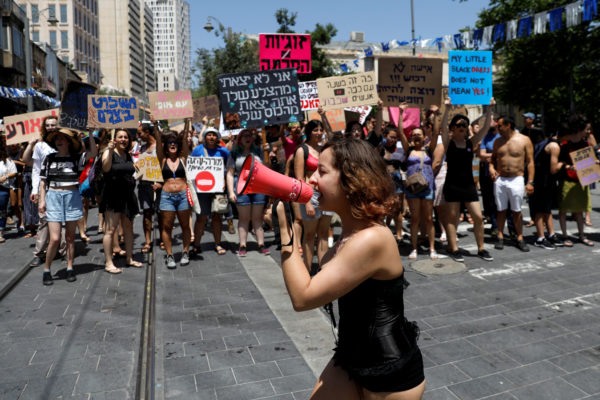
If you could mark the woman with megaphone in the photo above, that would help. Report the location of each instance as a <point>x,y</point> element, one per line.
<point>377,354</point>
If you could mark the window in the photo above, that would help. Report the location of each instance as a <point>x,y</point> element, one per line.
<point>53,38</point>
<point>63,13</point>
<point>64,39</point>
<point>36,36</point>
<point>35,14</point>
<point>17,42</point>
<point>51,11</point>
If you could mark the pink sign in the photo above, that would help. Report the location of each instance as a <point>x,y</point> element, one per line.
<point>411,118</point>
<point>171,105</point>
<point>285,50</point>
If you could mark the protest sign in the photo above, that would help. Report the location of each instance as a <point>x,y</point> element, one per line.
<point>347,91</point>
<point>470,76</point>
<point>362,111</point>
<point>336,118</point>
<point>112,112</point>
<point>411,118</point>
<point>149,168</point>
<point>260,98</point>
<point>74,105</point>
<point>584,160</point>
<point>25,127</point>
<point>175,104</point>
<point>206,106</point>
<point>280,51</point>
<point>207,173</point>
<point>416,81</point>
<point>309,95</point>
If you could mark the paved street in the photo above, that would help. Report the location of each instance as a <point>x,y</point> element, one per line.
<point>526,326</point>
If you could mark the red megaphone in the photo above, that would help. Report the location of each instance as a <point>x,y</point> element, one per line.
<point>256,178</point>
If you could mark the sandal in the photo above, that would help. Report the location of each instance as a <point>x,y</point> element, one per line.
<point>119,253</point>
<point>85,238</point>
<point>567,242</point>
<point>28,235</point>
<point>135,264</point>
<point>220,250</point>
<point>412,255</point>
<point>433,255</point>
<point>113,270</point>
<point>586,241</point>
<point>162,246</point>
<point>194,250</point>
<point>146,248</point>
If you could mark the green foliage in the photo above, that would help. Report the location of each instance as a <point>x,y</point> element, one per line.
<point>285,20</point>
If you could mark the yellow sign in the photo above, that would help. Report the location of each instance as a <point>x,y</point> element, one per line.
<point>149,168</point>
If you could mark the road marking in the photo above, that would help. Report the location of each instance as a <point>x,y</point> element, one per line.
<point>516,268</point>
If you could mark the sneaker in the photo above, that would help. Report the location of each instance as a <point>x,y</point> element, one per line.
<point>521,245</point>
<point>264,250</point>
<point>242,251</point>
<point>36,262</point>
<point>170,261</point>
<point>47,278</point>
<point>556,240</point>
<point>443,237</point>
<point>412,255</point>
<point>485,255</point>
<point>230,227</point>
<point>185,259</point>
<point>499,244</point>
<point>545,244</point>
<point>71,276</point>
<point>457,256</point>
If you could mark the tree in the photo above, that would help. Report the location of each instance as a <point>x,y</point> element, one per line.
<point>555,73</point>
<point>285,20</point>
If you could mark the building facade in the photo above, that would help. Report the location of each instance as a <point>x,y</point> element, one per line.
<point>172,45</point>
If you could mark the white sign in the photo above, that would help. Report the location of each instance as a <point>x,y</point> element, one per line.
<point>364,112</point>
<point>207,173</point>
<point>309,95</point>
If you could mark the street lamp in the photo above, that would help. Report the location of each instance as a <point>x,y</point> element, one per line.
<point>208,27</point>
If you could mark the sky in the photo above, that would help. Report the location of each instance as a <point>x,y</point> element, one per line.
<point>387,21</point>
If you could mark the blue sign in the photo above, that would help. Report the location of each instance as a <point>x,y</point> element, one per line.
<point>470,77</point>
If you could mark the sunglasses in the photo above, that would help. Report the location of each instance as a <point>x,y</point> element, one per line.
<point>170,142</point>
<point>461,125</point>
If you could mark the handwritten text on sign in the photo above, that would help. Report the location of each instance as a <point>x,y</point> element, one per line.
<point>25,127</point>
<point>112,112</point>
<point>261,98</point>
<point>149,168</point>
<point>171,105</point>
<point>206,107</point>
<point>588,171</point>
<point>347,91</point>
<point>279,51</point>
<point>470,77</point>
<point>73,105</point>
<point>309,95</point>
<point>336,118</point>
<point>417,81</point>
<point>208,173</point>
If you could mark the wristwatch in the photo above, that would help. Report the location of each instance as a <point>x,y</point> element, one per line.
<point>532,183</point>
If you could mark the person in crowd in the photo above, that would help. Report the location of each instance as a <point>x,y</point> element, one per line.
<point>60,199</point>
<point>512,153</point>
<point>377,354</point>
<point>86,197</point>
<point>30,209</point>
<point>8,171</point>
<point>210,147</point>
<point>486,184</point>
<point>460,185</point>
<point>393,161</point>
<point>419,158</point>
<point>573,197</point>
<point>591,139</point>
<point>249,206</point>
<point>118,202</point>
<point>172,151</point>
<point>34,156</point>
<point>354,130</point>
<point>16,189</point>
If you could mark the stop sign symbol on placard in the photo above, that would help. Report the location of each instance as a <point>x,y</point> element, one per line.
<point>205,181</point>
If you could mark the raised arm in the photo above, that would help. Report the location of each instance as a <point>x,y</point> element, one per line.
<point>379,117</point>
<point>403,138</point>
<point>325,122</point>
<point>486,125</point>
<point>436,129</point>
<point>107,156</point>
<point>185,146</point>
<point>158,137</point>
<point>27,155</point>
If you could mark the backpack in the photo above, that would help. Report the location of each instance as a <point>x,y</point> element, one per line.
<point>85,187</point>
<point>96,177</point>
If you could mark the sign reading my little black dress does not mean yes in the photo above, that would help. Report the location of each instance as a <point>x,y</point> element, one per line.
<point>470,77</point>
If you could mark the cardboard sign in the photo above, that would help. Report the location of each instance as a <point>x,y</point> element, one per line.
<point>280,51</point>
<point>584,161</point>
<point>261,98</point>
<point>417,81</point>
<point>347,91</point>
<point>149,168</point>
<point>309,95</point>
<point>171,105</point>
<point>25,127</point>
<point>208,173</point>
<point>362,111</point>
<point>411,118</point>
<point>336,118</point>
<point>112,112</point>
<point>206,106</point>
<point>470,77</point>
<point>74,105</point>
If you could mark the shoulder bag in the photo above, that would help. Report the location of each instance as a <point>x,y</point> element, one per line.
<point>417,182</point>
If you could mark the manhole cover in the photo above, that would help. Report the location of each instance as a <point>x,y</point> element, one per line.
<point>443,266</point>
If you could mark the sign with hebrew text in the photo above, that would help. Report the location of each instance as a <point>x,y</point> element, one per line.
<point>149,168</point>
<point>416,81</point>
<point>585,162</point>
<point>206,107</point>
<point>309,95</point>
<point>260,98</point>
<point>347,91</point>
<point>25,127</point>
<point>279,51</point>
<point>207,173</point>
<point>470,77</point>
<point>171,105</point>
<point>112,112</point>
<point>74,105</point>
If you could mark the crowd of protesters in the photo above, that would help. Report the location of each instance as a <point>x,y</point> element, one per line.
<point>47,185</point>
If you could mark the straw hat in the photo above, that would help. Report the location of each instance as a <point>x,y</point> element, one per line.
<point>70,135</point>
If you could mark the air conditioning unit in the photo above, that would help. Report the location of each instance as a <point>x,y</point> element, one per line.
<point>357,36</point>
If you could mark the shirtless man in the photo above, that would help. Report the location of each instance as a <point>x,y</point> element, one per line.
<point>507,165</point>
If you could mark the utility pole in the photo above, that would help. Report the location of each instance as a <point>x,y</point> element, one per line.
<point>412,24</point>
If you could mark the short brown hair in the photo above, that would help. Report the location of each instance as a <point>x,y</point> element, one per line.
<point>364,178</point>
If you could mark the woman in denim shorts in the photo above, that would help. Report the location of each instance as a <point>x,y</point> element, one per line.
<point>59,194</point>
<point>250,206</point>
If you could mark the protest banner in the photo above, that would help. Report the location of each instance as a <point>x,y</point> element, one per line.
<point>411,118</point>
<point>347,91</point>
<point>280,51</point>
<point>309,95</point>
<point>470,77</point>
<point>112,112</point>
<point>584,160</point>
<point>175,104</point>
<point>25,127</point>
<point>362,111</point>
<point>149,168</point>
<point>336,118</point>
<point>207,173</point>
<point>206,106</point>
<point>416,81</point>
<point>260,98</point>
<point>74,105</point>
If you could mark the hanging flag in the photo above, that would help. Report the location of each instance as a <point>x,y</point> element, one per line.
<point>590,10</point>
<point>539,22</point>
<point>573,12</point>
<point>556,19</point>
<point>525,27</point>
<point>368,52</point>
<point>439,41</point>
<point>467,39</point>
<point>511,29</point>
<point>449,41</point>
<point>344,67</point>
<point>458,43</point>
<point>404,43</point>
<point>499,32</point>
<point>487,35</point>
<point>385,46</point>
<point>477,37</point>
<point>355,63</point>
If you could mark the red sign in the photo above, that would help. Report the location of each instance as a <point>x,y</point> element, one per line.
<point>205,181</point>
<point>286,50</point>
